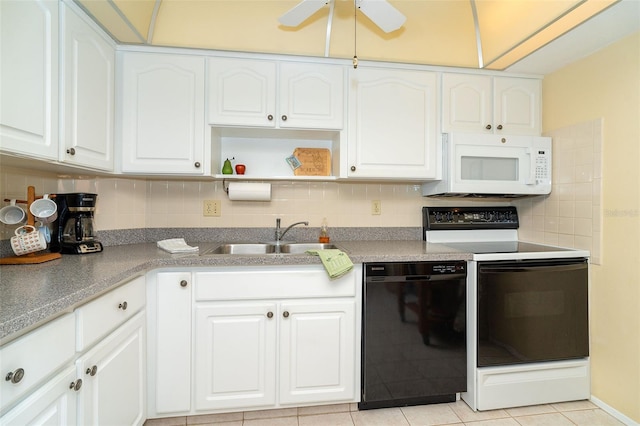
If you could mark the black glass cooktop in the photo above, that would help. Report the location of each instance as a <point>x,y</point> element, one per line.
<point>503,247</point>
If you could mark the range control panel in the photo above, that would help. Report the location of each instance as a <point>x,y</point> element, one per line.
<point>459,218</point>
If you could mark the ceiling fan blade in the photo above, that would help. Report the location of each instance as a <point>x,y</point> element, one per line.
<point>301,12</point>
<point>387,17</point>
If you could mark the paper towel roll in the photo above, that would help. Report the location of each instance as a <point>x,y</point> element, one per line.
<point>249,191</point>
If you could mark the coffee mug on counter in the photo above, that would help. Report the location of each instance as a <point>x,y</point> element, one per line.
<point>45,210</point>
<point>12,214</point>
<point>28,240</point>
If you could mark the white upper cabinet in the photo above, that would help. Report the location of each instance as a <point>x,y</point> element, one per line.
<point>487,104</point>
<point>29,78</point>
<point>392,124</point>
<point>270,94</point>
<point>88,73</point>
<point>161,113</point>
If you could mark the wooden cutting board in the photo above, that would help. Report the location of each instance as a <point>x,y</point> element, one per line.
<point>314,162</point>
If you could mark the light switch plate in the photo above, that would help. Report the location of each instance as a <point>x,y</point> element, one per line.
<point>212,208</point>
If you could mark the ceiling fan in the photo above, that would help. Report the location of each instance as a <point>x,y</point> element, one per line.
<point>385,16</point>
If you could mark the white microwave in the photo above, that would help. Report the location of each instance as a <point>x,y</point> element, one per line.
<point>493,165</point>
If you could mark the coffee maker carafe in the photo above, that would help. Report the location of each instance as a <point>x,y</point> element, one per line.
<point>75,231</point>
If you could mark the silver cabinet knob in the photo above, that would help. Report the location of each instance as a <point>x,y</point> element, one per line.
<point>503,140</point>
<point>75,386</point>
<point>183,283</point>
<point>123,306</point>
<point>499,126</point>
<point>197,164</point>
<point>270,117</point>
<point>269,314</point>
<point>284,118</point>
<point>71,151</point>
<point>285,314</point>
<point>92,371</point>
<point>353,168</point>
<point>15,376</point>
<point>488,127</point>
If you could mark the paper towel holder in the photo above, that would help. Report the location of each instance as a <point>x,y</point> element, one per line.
<point>247,191</point>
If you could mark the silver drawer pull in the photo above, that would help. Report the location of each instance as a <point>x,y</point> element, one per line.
<point>92,371</point>
<point>183,283</point>
<point>269,314</point>
<point>285,314</point>
<point>123,306</point>
<point>15,376</point>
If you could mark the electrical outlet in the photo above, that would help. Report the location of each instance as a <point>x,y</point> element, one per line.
<point>376,207</point>
<point>212,208</point>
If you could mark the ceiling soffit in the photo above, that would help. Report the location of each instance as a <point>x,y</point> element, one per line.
<point>491,34</point>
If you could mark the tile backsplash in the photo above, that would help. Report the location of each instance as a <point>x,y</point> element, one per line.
<point>571,216</point>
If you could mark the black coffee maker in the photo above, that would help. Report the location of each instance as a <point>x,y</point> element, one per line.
<point>74,231</point>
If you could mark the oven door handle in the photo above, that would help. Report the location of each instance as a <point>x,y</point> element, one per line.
<point>541,268</point>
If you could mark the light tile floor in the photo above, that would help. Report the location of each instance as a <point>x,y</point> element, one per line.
<point>580,413</point>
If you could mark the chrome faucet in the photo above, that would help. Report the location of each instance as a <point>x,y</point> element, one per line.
<point>280,234</point>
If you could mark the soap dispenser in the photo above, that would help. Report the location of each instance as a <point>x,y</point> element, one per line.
<point>324,232</point>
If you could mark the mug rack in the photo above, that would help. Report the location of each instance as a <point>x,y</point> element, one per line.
<point>30,258</point>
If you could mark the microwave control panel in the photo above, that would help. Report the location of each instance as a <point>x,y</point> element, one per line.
<point>542,173</point>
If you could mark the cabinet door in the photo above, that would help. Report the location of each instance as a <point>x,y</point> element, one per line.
<point>311,96</point>
<point>235,355</point>
<point>162,114</point>
<point>392,129</point>
<point>54,403</point>
<point>88,69</point>
<point>317,351</point>
<point>29,78</point>
<point>242,92</point>
<point>467,103</point>
<point>517,105</point>
<point>113,375</point>
<point>170,344</point>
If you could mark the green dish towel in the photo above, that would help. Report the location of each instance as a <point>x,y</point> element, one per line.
<point>335,261</point>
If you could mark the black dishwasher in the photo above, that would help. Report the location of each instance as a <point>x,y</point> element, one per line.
<point>413,333</point>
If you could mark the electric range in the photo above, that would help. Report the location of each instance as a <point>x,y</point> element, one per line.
<point>527,310</point>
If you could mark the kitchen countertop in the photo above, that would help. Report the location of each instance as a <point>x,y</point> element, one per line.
<point>31,295</point>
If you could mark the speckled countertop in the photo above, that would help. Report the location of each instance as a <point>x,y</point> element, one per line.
<point>33,294</point>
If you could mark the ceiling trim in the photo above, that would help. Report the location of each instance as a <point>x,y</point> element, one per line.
<point>152,24</point>
<point>476,24</point>
<point>126,20</point>
<point>564,23</point>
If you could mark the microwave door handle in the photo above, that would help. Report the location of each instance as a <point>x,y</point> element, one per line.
<point>532,168</point>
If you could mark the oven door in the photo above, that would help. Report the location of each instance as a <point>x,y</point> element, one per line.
<point>532,311</point>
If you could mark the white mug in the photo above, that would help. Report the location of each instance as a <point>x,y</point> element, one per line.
<point>28,240</point>
<point>44,229</point>
<point>12,214</point>
<point>45,210</point>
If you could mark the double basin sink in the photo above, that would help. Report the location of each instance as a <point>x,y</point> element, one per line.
<point>267,248</point>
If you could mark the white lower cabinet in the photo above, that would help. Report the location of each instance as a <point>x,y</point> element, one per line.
<point>113,385</point>
<point>245,351</point>
<point>235,355</point>
<point>242,338</point>
<point>317,351</point>
<point>169,342</point>
<point>54,403</point>
<point>84,368</point>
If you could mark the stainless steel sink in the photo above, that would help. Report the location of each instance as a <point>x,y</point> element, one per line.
<point>298,248</point>
<point>266,248</point>
<point>243,248</point>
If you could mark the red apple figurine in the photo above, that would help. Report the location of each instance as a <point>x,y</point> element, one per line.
<point>240,168</point>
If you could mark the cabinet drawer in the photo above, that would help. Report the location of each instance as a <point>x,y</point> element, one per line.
<point>270,283</point>
<point>39,354</point>
<point>95,319</point>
